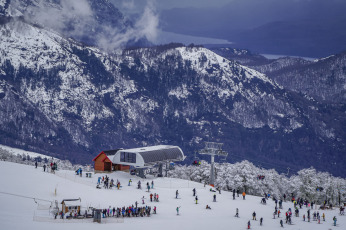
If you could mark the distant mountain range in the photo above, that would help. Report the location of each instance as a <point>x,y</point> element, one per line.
<point>62,98</point>
<point>298,28</point>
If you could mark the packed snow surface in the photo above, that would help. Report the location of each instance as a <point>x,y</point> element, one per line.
<point>18,212</point>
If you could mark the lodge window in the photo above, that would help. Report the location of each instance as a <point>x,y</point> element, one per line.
<point>128,157</point>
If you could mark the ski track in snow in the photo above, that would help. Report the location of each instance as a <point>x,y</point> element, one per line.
<point>17,212</point>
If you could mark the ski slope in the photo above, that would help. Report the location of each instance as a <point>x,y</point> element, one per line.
<point>18,212</point>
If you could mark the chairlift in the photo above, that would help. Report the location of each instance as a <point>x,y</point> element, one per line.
<point>223,159</point>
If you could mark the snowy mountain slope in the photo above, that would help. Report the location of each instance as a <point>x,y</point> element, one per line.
<point>89,101</point>
<point>87,21</point>
<point>42,185</point>
<point>323,79</point>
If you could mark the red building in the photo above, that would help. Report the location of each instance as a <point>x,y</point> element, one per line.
<point>103,162</point>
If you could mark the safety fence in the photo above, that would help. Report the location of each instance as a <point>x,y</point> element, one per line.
<point>50,219</point>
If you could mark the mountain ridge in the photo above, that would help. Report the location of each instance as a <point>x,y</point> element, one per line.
<point>84,100</point>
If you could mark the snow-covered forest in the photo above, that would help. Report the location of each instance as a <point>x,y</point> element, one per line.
<point>25,158</point>
<point>307,183</point>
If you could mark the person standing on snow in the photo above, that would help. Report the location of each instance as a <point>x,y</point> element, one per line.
<point>334,219</point>
<point>152,184</point>
<point>196,199</point>
<point>194,191</point>
<point>35,164</point>
<point>176,194</point>
<point>244,195</point>
<point>44,168</point>
<point>214,198</point>
<point>254,216</point>
<point>237,212</point>
<point>261,221</point>
<point>248,225</point>
<point>178,210</point>
<point>281,223</point>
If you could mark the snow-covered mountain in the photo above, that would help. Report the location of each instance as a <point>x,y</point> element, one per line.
<point>323,79</point>
<point>59,96</point>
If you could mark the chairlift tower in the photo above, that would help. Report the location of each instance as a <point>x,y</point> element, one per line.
<point>213,149</point>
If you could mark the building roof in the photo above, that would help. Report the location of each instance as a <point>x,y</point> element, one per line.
<point>153,154</point>
<point>108,153</point>
<point>71,202</point>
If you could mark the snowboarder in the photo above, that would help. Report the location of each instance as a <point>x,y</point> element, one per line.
<point>196,200</point>
<point>214,198</point>
<point>254,216</point>
<point>261,221</point>
<point>281,223</point>
<point>237,212</point>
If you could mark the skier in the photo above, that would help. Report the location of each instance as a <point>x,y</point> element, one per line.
<point>304,217</point>
<point>194,191</point>
<point>36,164</point>
<point>261,221</point>
<point>238,192</point>
<point>254,216</point>
<point>178,210</point>
<point>176,194</point>
<point>334,219</point>
<point>281,223</point>
<point>237,212</point>
<point>248,225</point>
<point>152,184</point>
<point>130,181</point>
<point>139,185</point>
<point>151,197</point>
<point>244,195</point>
<point>279,213</point>
<point>154,209</point>
<point>44,168</point>
<point>196,200</point>
<point>214,198</point>
<point>143,200</point>
<point>324,217</point>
